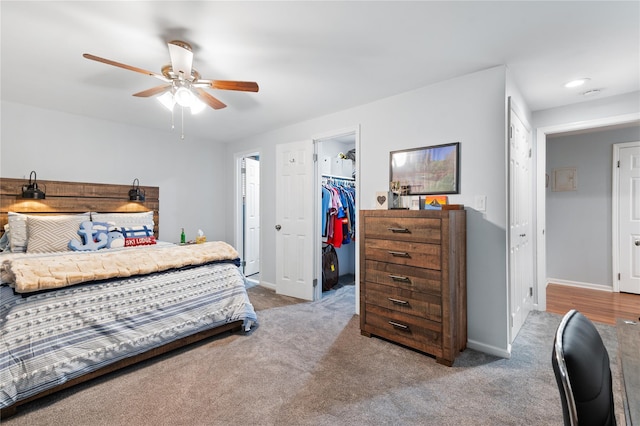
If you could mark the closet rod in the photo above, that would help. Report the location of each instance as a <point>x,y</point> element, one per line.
<point>339,177</point>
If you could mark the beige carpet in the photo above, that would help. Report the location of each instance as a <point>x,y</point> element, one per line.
<point>307,364</point>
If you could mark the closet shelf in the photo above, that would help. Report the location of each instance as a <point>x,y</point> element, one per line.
<point>338,177</point>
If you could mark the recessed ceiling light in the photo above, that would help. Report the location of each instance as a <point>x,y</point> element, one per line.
<point>576,83</point>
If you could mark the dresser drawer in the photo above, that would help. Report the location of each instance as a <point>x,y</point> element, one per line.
<point>402,276</point>
<point>403,253</point>
<point>419,230</point>
<point>409,330</point>
<point>409,302</point>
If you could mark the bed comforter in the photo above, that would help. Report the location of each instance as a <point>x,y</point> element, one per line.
<point>50,337</point>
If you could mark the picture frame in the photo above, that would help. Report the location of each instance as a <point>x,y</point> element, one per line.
<point>565,179</point>
<point>428,170</point>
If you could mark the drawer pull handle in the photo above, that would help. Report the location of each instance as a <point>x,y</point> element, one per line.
<point>398,325</point>
<point>397,301</point>
<point>399,253</point>
<point>399,230</point>
<point>400,278</point>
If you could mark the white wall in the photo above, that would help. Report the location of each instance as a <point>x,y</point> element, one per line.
<point>584,112</point>
<point>469,109</point>
<point>579,222</point>
<point>59,146</point>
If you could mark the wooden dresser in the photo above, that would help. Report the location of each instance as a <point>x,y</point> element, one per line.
<point>413,279</point>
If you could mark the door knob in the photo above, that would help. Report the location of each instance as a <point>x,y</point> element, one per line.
<point>637,242</point>
<point>278,227</point>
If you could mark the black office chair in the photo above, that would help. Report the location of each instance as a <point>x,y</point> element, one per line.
<point>583,374</point>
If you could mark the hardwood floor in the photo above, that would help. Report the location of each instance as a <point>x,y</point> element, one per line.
<point>600,306</point>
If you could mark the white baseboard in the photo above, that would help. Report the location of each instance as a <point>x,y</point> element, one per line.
<point>268,285</point>
<point>487,349</point>
<point>590,286</point>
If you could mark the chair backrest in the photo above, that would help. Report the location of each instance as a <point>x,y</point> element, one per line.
<point>583,374</point>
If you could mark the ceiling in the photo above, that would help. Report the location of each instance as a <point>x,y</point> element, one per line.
<point>309,58</point>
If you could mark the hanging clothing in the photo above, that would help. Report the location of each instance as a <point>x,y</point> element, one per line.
<point>338,211</point>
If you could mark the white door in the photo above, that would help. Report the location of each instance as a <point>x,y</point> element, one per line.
<point>294,219</point>
<point>252,217</point>
<point>520,246</point>
<point>629,218</point>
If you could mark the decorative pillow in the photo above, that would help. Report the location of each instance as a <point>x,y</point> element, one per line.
<point>18,237</point>
<point>18,227</point>
<point>138,236</point>
<point>139,241</point>
<point>4,241</point>
<point>124,220</point>
<point>114,236</point>
<point>137,231</point>
<point>52,233</point>
<point>97,235</point>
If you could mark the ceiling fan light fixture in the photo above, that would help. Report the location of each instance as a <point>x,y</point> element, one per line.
<point>183,97</point>
<point>166,99</point>
<point>197,105</point>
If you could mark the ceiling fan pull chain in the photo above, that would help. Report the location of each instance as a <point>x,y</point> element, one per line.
<point>182,114</point>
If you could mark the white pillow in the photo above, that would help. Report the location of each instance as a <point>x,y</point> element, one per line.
<point>18,235</point>
<point>4,240</point>
<point>122,220</point>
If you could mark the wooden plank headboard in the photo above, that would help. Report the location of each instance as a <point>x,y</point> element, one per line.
<point>75,197</point>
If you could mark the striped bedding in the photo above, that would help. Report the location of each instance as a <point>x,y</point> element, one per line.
<point>51,337</point>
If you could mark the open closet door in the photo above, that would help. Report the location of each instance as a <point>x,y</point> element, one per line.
<point>520,246</point>
<point>294,219</point>
<point>252,217</point>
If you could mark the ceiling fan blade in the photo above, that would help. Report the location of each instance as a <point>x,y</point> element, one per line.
<point>153,91</point>
<point>209,100</point>
<point>243,86</point>
<point>181,58</point>
<point>125,66</point>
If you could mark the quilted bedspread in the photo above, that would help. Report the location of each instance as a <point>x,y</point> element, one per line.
<point>50,337</point>
<point>31,274</point>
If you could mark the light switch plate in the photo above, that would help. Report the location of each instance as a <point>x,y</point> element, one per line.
<point>481,203</point>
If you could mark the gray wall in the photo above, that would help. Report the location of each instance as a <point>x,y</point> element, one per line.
<point>579,222</point>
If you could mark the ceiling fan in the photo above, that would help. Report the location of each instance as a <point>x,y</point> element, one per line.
<point>183,84</point>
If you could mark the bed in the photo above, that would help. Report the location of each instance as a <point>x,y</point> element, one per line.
<point>68,316</point>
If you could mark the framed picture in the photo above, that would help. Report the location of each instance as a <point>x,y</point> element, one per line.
<point>427,170</point>
<point>565,179</point>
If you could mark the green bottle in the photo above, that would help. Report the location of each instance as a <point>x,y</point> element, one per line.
<point>183,238</point>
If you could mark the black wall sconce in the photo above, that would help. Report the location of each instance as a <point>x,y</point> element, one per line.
<point>31,190</point>
<point>135,193</point>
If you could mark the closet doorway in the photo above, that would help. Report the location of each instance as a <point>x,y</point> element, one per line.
<point>249,209</point>
<point>337,213</point>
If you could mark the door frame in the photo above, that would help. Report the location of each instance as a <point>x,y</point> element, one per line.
<point>615,204</point>
<point>318,219</point>
<point>238,220</point>
<point>540,188</point>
